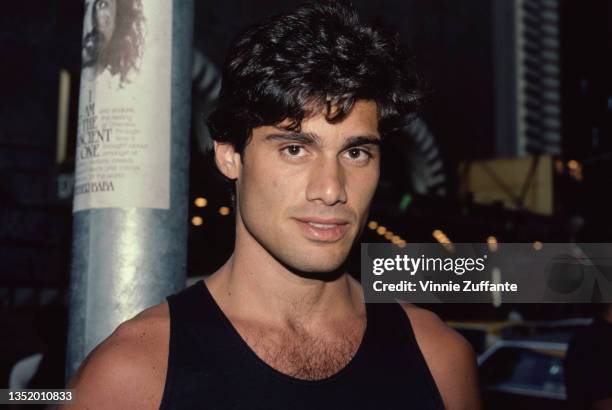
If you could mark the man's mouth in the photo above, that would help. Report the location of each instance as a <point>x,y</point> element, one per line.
<point>322,226</point>
<point>323,230</point>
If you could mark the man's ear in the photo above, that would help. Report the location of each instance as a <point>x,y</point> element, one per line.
<point>227,159</point>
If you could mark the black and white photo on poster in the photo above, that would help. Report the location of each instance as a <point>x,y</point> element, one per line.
<point>124,106</point>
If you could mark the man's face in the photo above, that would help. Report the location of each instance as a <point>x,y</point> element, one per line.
<point>304,197</point>
<point>98,28</point>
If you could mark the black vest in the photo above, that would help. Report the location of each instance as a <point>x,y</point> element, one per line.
<point>211,367</point>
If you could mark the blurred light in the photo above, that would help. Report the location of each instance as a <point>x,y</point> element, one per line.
<point>443,239</point>
<point>440,236</point>
<point>63,110</point>
<point>381,230</point>
<point>395,239</point>
<point>401,243</point>
<point>537,245</point>
<point>224,210</point>
<point>575,168</point>
<point>200,202</point>
<point>372,225</point>
<point>492,243</point>
<point>389,235</point>
<point>405,202</point>
<point>197,221</point>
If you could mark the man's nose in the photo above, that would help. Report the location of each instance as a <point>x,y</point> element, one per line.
<point>327,182</point>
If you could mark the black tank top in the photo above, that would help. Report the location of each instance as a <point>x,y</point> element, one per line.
<point>211,367</point>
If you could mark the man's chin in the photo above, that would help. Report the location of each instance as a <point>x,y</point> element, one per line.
<point>317,267</point>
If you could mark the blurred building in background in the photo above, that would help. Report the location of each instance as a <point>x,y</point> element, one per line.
<point>527,77</point>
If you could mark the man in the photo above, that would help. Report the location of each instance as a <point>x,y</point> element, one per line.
<point>112,37</point>
<point>588,364</point>
<point>307,97</point>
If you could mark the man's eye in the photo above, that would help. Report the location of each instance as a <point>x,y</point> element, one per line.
<point>359,153</point>
<point>102,4</point>
<point>292,150</point>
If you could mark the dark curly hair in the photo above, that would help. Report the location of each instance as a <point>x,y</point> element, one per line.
<point>124,50</point>
<point>317,57</point>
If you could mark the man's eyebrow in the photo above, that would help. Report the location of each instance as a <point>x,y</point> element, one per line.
<point>304,138</point>
<point>360,140</point>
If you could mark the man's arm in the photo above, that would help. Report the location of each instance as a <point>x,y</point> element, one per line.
<point>450,358</point>
<point>125,371</point>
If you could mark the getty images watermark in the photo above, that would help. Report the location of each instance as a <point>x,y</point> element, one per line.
<point>482,273</point>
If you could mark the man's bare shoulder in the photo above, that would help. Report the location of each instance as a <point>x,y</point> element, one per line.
<point>128,369</point>
<point>450,358</point>
<point>433,330</point>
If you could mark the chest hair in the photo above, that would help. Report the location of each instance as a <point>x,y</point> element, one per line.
<point>300,354</point>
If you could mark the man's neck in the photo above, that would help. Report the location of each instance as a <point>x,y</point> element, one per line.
<point>253,284</point>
